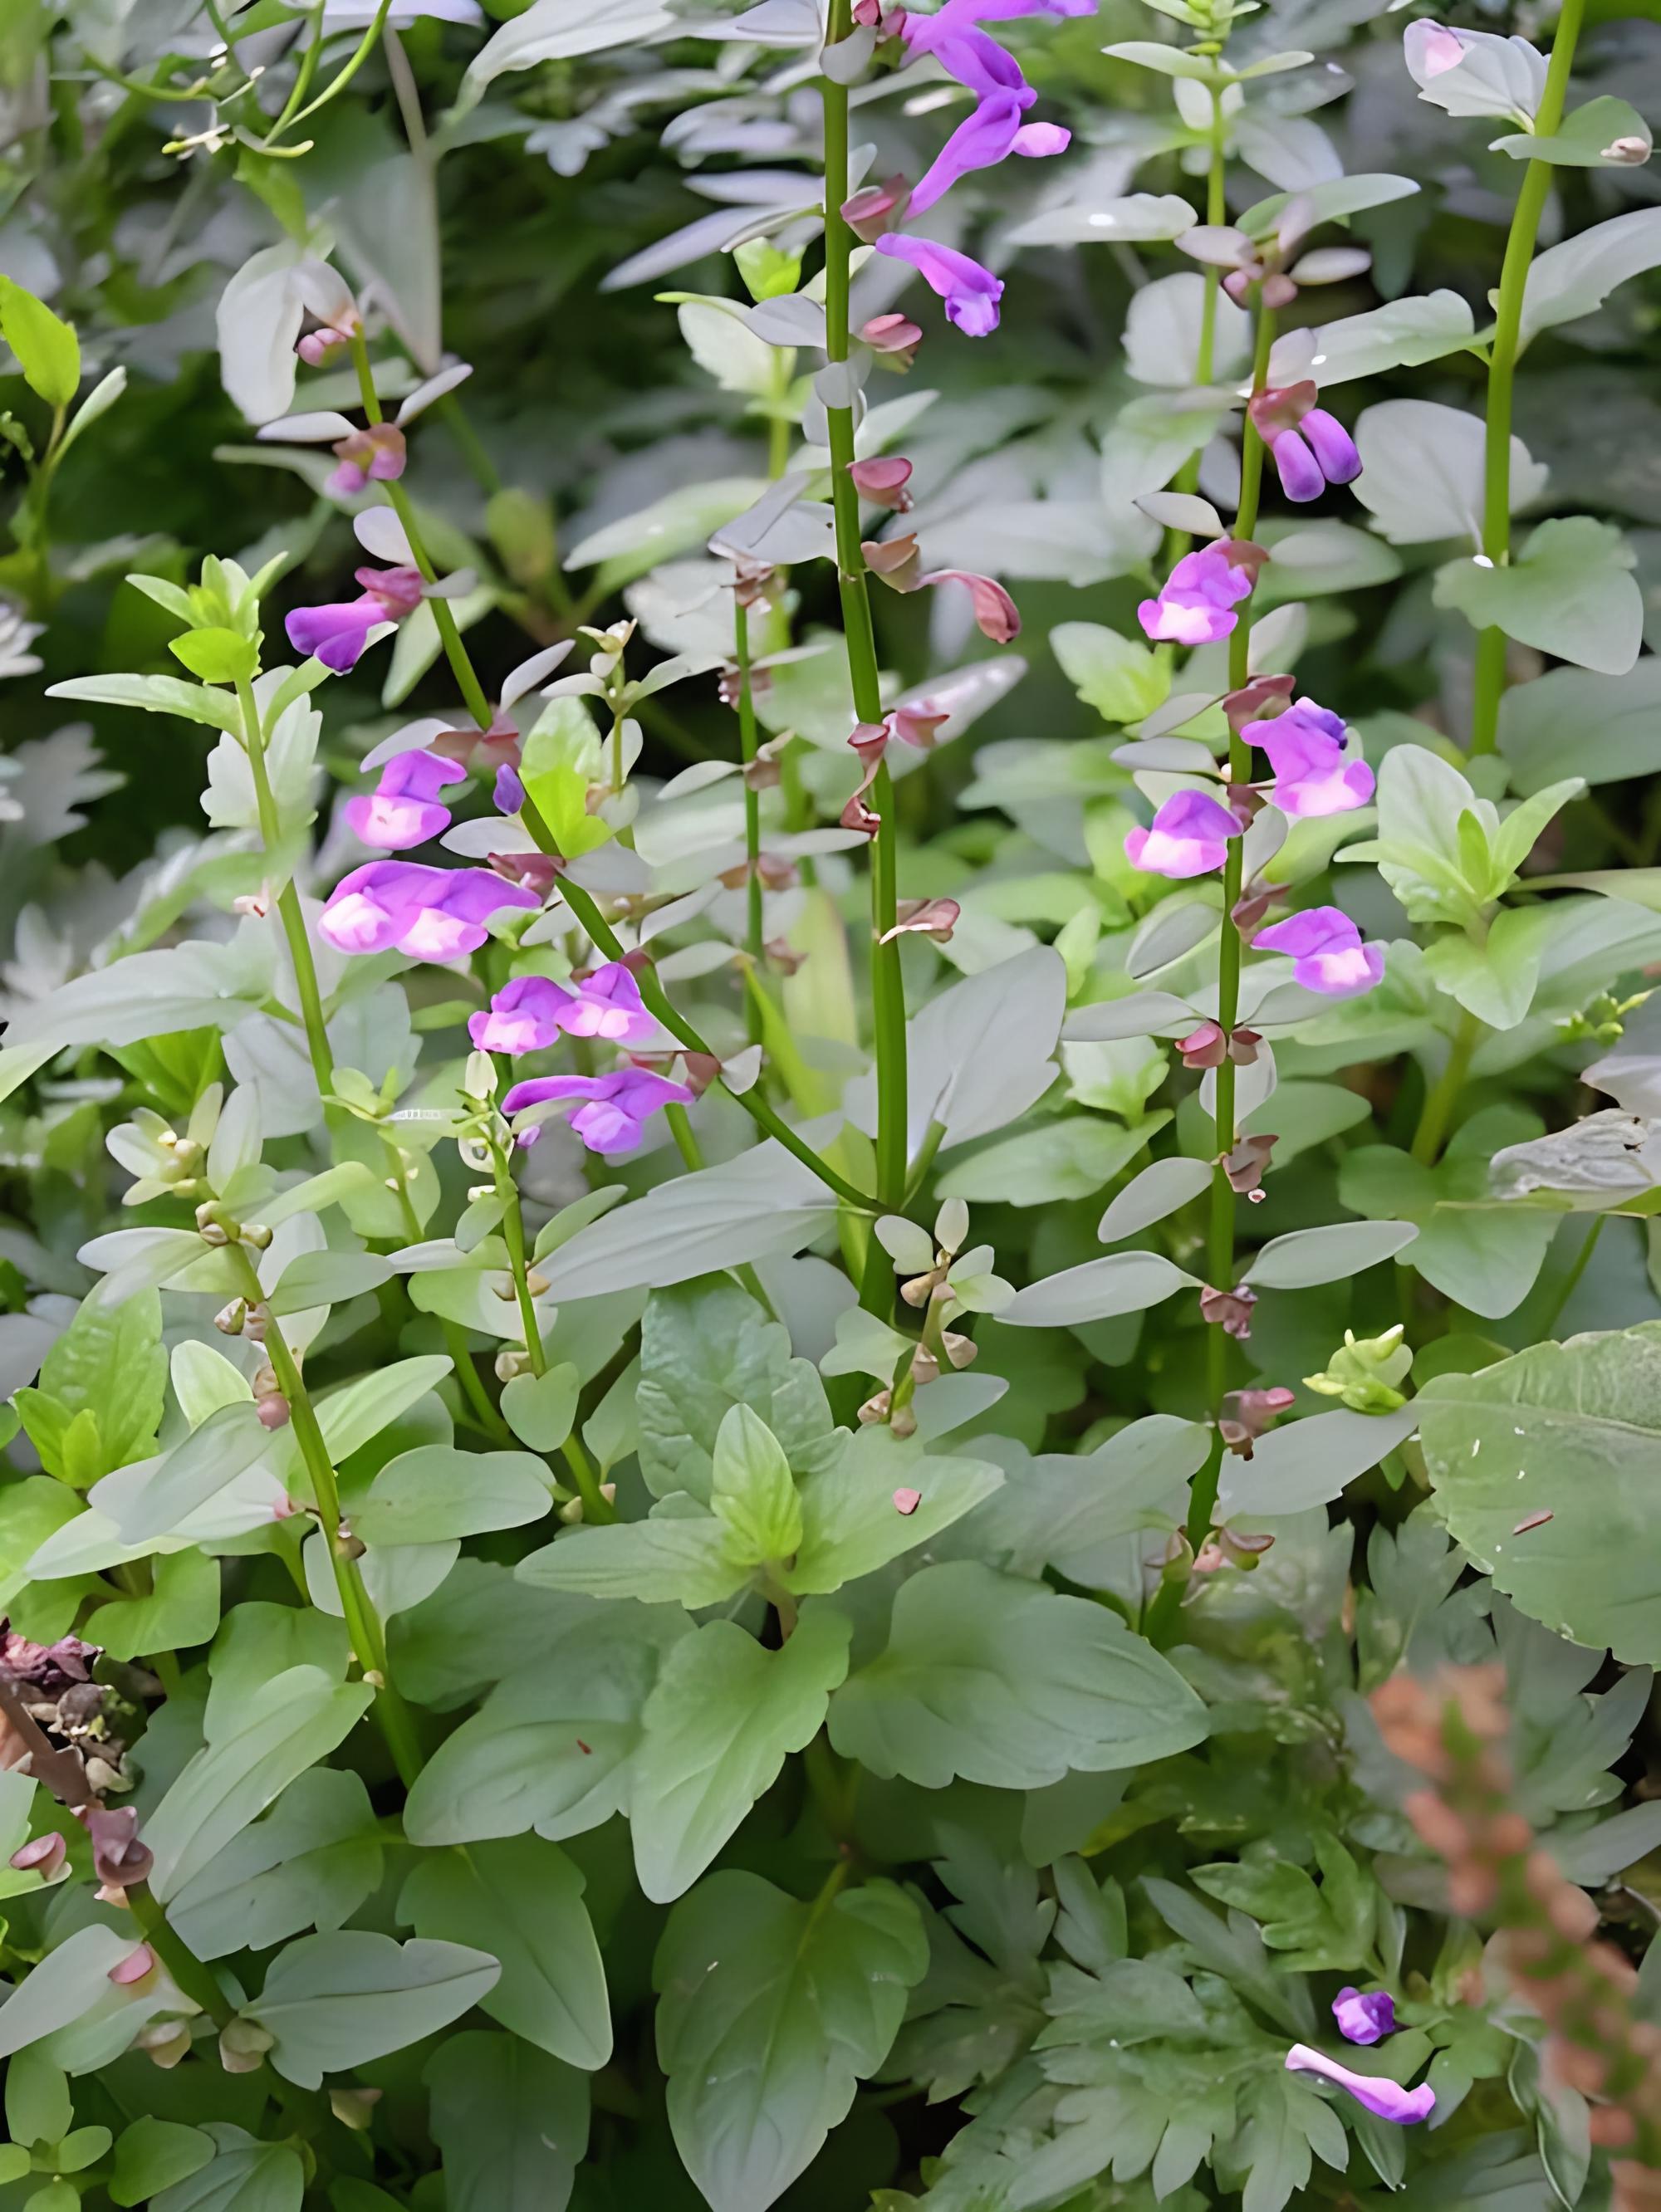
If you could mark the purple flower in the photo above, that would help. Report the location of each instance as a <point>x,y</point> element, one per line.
<point>1305,748</point>
<point>508,794</point>
<point>337,633</point>
<point>404,808</point>
<point>971,294</point>
<point>431,913</point>
<point>1197,605</point>
<point>613,1119</point>
<point>1312,448</point>
<point>952,34</point>
<point>530,1012</point>
<point>1364,2017</point>
<point>1334,447</point>
<point>1327,951</point>
<point>376,454</point>
<point>1190,837</point>
<point>1386,2099</point>
<point>988,137</point>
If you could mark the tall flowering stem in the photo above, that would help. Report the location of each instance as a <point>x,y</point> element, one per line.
<point>363,1625</point>
<point>748,746</point>
<point>1490,675</point>
<point>289,911</point>
<point>887,984</point>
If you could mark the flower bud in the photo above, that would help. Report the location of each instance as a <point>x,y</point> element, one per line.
<point>164,2042</point>
<point>273,1411</point>
<point>257,1234</point>
<point>877,207</point>
<point>353,2106</point>
<point>243,2044</point>
<point>231,1320</point>
<point>42,1854</point>
<point>1363,1372</point>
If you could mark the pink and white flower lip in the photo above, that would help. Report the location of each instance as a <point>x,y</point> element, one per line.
<point>528,1014</point>
<point>616,1107</point>
<point>883,481</point>
<point>431,913</point>
<point>1386,2098</point>
<point>404,808</point>
<point>1326,952</point>
<point>1196,604</point>
<point>1305,748</point>
<point>1190,837</point>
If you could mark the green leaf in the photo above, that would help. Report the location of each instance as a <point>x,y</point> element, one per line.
<point>1306,1257</point>
<point>1584,139</point>
<point>723,1717</point>
<point>335,2002</point>
<point>706,1346</point>
<point>1072,1157</point>
<point>110,1360</point>
<point>151,1498</point>
<point>217,656</point>
<point>246,2175</point>
<point>754,1499</point>
<point>435,1492</point>
<point>562,760</point>
<point>1123,679</point>
<point>851,1525</point>
<point>771,2012</point>
<point>1494,979</point>
<point>665,1558</point>
<point>154,694</point>
<point>1005,1682</point>
<point>326,1278</point>
<point>309,1863</point>
<point>48,352</point>
<point>181,1610</point>
<point>551,1748</point>
<point>297,1718</point>
<point>1569,592</point>
<point>1608,728</point>
<point>521,1902</point>
<point>1568,1430</point>
<point>68,1982</point>
<point>1575,278</point>
<point>511,2121</point>
<point>152,2155</point>
<point>39,2106</point>
<point>540,1409</point>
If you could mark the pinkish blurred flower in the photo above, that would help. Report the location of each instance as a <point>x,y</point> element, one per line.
<point>617,1106</point>
<point>876,208</point>
<point>404,808</point>
<point>870,741</point>
<point>1196,605</point>
<point>336,633</point>
<point>1229,1310</point>
<point>1432,49</point>
<point>1364,2017</point>
<point>42,1854</point>
<point>1190,837</point>
<point>1248,1414</point>
<point>1305,748</point>
<point>1386,2098</point>
<point>1327,951</point>
<point>936,918</point>
<point>884,481</point>
<point>971,292</point>
<point>431,913</point>
<point>907,1501</point>
<point>893,338</point>
<point>377,453</point>
<point>133,1968</point>
<point>918,725</point>
<point>995,614</point>
<point>1244,1165</point>
<point>117,1857</point>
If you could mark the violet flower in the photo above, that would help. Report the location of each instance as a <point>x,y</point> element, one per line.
<point>1327,951</point>
<point>337,632</point>
<point>404,808</point>
<point>431,913</point>
<point>1364,2016</point>
<point>1196,604</point>
<point>1387,2098</point>
<point>1190,837</point>
<point>528,1014</point>
<point>1311,449</point>
<point>993,132</point>
<point>508,794</point>
<point>971,292</point>
<point>1305,748</point>
<point>613,1119</point>
<point>952,34</point>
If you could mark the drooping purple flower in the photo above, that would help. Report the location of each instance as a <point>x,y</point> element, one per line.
<point>1196,605</point>
<point>404,808</point>
<point>1332,445</point>
<point>971,292</point>
<point>1311,449</point>
<point>508,794</point>
<point>990,135</point>
<point>1305,748</point>
<point>1327,951</point>
<point>952,34</point>
<point>431,913</point>
<point>1364,2016</point>
<point>1190,837</point>
<point>337,632</point>
<point>617,1106</point>
<point>1387,2098</point>
<point>528,1014</point>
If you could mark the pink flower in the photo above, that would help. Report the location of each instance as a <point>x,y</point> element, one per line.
<point>892,339</point>
<point>870,211</point>
<point>1305,748</point>
<point>337,633</point>
<point>884,481</point>
<point>404,809</point>
<point>1386,2098</point>
<point>971,292</point>
<point>377,454</point>
<point>1197,605</point>
<point>1229,1310</point>
<point>1190,837</point>
<point>1432,49</point>
<point>1364,2018</point>
<point>613,1119</point>
<point>1311,449</point>
<point>431,913</point>
<point>995,614</point>
<point>528,1014</point>
<point>993,132</point>
<point>1327,951</point>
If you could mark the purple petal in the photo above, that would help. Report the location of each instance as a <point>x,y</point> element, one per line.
<point>1332,445</point>
<point>971,292</point>
<point>1387,2098</point>
<point>1299,470</point>
<point>335,633</point>
<point>1364,2018</point>
<point>980,141</point>
<point>523,1016</point>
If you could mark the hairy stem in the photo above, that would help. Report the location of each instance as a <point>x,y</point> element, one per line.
<point>1490,677</point>
<point>748,746</point>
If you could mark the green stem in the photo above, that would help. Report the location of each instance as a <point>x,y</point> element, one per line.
<point>193,1978</point>
<point>455,651</point>
<point>290,911</point>
<point>369,1639</point>
<point>338,82</point>
<point>1444,1094</point>
<point>1567,1288</point>
<point>303,76</point>
<point>1490,677</point>
<point>748,746</point>
<point>887,982</point>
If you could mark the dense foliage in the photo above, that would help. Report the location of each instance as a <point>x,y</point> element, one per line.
<point>690,1513</point>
